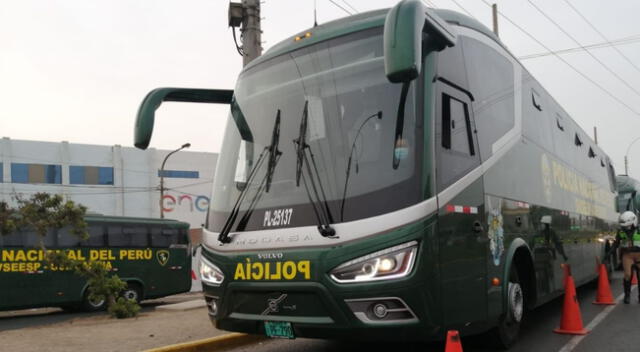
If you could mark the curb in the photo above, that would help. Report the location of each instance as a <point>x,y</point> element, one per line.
<point>218,342</point>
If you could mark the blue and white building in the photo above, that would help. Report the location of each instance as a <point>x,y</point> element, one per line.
<point>110,180</point>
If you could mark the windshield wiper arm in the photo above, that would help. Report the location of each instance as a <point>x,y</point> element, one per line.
<point>274,156</point>
<point>324,220</point>
<point>353,147</point>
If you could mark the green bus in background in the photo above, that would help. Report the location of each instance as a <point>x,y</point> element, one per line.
<point>628,193</point>
<point>151,255</point>
<point>393,175</point>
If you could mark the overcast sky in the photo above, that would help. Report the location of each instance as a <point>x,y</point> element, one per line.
<point>76,70</point>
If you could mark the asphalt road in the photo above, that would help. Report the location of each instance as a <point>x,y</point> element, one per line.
<point>618,331</point>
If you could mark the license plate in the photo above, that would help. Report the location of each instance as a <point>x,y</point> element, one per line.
<point>281,329</point>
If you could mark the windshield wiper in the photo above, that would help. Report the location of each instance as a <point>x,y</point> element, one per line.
<point>265,185</point>
<point>274,156</point>
<point>353,147</point>
<point>322,212</point>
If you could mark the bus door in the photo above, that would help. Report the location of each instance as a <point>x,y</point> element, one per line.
<point>462,232</point>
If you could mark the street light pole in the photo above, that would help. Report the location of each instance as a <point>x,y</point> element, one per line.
<point>626,158</point>
<point>186,145</point>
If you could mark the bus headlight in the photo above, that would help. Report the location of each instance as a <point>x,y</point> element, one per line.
<point>209,273</point>
<point>387,264</point>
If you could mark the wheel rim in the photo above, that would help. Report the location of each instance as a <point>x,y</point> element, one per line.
<point>516,301</point>
<point>130,294</point>
<point>95,303</point>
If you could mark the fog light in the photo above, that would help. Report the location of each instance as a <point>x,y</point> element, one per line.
<point>214,307</point>
<point>380,311</point>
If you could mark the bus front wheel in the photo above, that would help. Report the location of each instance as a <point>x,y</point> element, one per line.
<point>506,333</point>
<point>132,292</point>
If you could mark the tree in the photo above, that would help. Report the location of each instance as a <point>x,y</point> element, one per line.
<point>43,212</point>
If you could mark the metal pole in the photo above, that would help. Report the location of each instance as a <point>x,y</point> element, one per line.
<point>626,166</point>
<point>626,162</point>
<point>595,134</point>
<point>186,145</point>
<point>251,31</point>
<point>494,9</point>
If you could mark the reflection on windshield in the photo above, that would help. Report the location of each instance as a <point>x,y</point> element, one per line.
<point>341,85</point>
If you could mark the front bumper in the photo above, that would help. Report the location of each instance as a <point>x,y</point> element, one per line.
<point>407,308</point>
<point>316,313</point>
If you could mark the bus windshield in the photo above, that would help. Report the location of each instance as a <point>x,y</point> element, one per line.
<point>333,97</point>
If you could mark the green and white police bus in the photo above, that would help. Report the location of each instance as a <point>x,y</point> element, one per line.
<point>393,175</point>
<point>151,255</point>
<point>628,193</point>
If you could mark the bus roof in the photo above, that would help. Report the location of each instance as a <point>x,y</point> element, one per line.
<point>134,220</point>
<point>360,22</point>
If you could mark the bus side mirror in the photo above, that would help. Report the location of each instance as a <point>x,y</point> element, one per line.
<point>404,27</point>
<point>153,100</point>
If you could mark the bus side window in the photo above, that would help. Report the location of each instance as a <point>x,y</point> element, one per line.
<point>66,238</point>
<point>32,239</point>
<point>96,236</point>
<point>183,237</point>
<point>14,239</point>
<point>456,140</point>
<point>491,81</point>
<point>163,237</point>
<point>138,235</point>
<point>116,237</point>
<point>456,126</point>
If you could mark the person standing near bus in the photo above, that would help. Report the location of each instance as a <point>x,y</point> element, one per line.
<point>628,240</point>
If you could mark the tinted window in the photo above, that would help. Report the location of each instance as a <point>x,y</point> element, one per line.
<point>456,127</point>
<point>451,66</point>
<point>14,239</point>
<point>183,237</point>
<point>32,239</point>
<point>163,237</point>
<point>116,238</point>
<point>457,147</point>
<point>138,235</point>
<point>66,238</point>
<point>96,236</point>
<point>491,83</point>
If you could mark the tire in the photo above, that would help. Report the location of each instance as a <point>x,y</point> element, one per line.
<point>506,333</point>
<point>133,291</point>
<point>92,306</point>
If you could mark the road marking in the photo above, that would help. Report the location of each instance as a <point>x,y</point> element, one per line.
<point>592,325</point>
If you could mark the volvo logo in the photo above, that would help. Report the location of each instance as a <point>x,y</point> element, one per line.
<point>273,304</point>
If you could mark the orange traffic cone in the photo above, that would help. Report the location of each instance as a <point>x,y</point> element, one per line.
<point>634,278</point>
<point>571,321</point>
<point>193,275</point>
<point>604,295</point>
<point>453,342</point>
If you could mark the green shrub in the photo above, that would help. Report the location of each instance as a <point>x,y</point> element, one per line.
<point>124,308</point>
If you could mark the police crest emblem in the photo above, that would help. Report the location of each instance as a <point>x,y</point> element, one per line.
<point>162,256</point>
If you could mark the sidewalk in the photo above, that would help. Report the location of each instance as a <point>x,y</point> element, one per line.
<point>152,328</point>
